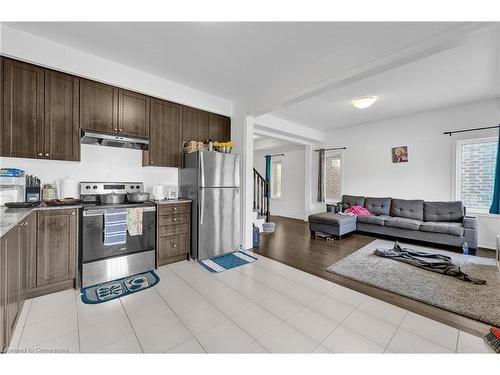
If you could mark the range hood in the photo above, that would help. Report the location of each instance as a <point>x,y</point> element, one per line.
<point>113,140</point>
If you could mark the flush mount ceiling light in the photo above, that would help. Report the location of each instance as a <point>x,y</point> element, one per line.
<point>364,102</point>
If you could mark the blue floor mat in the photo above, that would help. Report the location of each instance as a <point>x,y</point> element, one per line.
<point>118,288</point>
<point>227,261</point>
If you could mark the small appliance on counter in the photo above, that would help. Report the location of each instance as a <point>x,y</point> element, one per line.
<point>32,189</point>
<point>158,193</point>
<point>49,192</point>
<point>12,185</point>
<point>172,193</point>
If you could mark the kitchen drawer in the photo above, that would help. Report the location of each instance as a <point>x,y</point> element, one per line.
<point>174,219</point>
<point>172,246</point>
<point>169,209</point>
<point>170,230</point>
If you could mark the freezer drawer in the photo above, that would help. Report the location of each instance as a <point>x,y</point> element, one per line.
<point>218,222</point>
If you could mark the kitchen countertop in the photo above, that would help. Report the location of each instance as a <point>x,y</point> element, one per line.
<point>10,217</point>
<point>172,201</point>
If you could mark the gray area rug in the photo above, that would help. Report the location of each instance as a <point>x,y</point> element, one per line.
<point>479,302</point>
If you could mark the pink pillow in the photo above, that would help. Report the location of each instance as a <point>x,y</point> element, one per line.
<point>358,211</point>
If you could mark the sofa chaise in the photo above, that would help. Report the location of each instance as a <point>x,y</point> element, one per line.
<point>442,223</point>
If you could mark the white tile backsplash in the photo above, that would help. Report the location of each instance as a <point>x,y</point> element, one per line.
<point>97,163</point>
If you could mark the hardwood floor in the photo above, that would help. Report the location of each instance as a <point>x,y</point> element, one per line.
<point>291,244</point>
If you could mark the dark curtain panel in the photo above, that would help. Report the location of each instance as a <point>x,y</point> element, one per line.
<point>321,176</point>
<point>495,205</point>
<point>268,172</point>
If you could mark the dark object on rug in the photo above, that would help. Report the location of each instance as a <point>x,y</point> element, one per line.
<point>119,288</point>
<point>432,262</point>
<point>493,339</point>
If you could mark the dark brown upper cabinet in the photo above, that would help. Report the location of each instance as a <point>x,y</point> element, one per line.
<point>219,128</point>
<point>165,145</point>
<point>98,107</point>
<point>194,124</point>
<point>61,130</point>
<point>133,116</point>
<point>23,97</point>
<point>40,113</point>
<point>108,109</point>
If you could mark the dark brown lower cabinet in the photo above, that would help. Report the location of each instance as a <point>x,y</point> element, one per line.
<point>173,232</point>
<point>13,279</point>
<point>56,245</point>
<point>37,256</point>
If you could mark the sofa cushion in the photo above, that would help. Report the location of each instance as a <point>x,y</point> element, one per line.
<point>403,223</point>
<point>443,211</point>
<point>453,228</point>
<point>411,209</point>
<point>378,206</point>
<point>352,200</point>
<point>470,222</point>
<point>372,219</point>
<point>332,218</point>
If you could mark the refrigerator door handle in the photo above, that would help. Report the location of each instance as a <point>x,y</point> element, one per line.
<point>202,204</point>
<point>202,169</point>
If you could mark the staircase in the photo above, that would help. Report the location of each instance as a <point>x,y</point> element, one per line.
<point>260,200</point>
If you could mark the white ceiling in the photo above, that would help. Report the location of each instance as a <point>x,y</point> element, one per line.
<point>238,60</point>
<point>466,73</point>
<point>273,145</point>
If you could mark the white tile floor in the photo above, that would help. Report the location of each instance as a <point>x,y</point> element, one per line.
<point>257,308</point>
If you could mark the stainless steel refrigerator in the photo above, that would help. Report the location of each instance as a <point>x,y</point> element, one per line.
<point>212,181</point>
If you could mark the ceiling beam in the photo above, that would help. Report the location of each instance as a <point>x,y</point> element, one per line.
<point>437,44</point>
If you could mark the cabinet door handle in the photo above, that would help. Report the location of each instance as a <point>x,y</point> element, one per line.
<point>73,213</point>
<point>151,162</point>
<point>120,130</point>
<point>175,219</point>
<point>47,154</point>
<point>174,245</point>
<point>116,129</point>
<point>175,208</point>
<point>40,154</point>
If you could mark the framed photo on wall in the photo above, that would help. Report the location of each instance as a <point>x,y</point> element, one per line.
<point>400,154</point>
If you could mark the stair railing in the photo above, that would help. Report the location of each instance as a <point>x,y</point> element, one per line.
<point>261,195</point>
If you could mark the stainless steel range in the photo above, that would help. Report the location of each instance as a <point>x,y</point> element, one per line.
<point>102,260</point>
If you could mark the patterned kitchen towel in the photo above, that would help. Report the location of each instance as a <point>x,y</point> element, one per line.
<point>115,226</point>
<point>134,221</point>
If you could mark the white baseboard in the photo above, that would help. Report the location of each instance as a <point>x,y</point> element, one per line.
<point>290,216</point>
<point>486,245</point>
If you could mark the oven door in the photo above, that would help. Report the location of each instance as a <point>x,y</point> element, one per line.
<point>93,248</point>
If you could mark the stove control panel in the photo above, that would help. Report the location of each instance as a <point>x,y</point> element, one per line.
<point>99,188</point>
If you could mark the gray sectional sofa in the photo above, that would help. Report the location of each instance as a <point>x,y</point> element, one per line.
<point>434,222</point>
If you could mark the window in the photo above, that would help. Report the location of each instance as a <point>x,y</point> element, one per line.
<point>476,172</point>
<point>276,179</point>
<point>333,177</point>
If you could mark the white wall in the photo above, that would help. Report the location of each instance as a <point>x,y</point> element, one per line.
<point>31,48</point>
<point>97,164</point>
<point>368,168</point>
<point>102,163</point>
<point>292,203</point>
